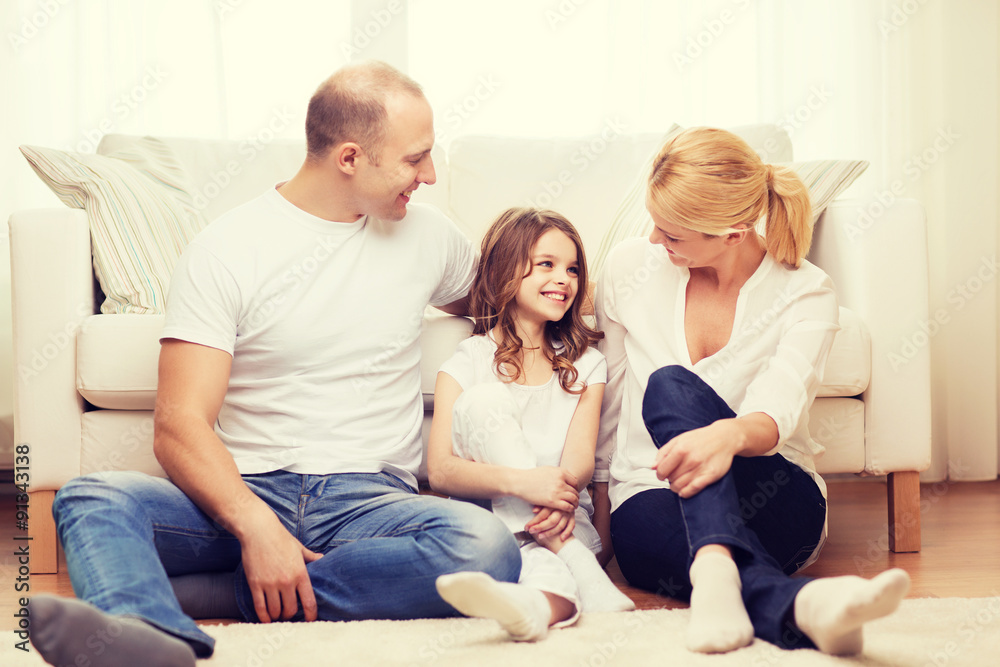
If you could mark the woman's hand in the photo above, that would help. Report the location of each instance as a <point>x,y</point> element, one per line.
<point>548,486</point>
<point>695,459</point>
<point>550,526</point>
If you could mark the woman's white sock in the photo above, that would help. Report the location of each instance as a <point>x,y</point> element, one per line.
<point>719,621</point>
<point>831,612</point>
<point>524,612</point>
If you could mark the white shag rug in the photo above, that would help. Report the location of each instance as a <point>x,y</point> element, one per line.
<point>927,632</point>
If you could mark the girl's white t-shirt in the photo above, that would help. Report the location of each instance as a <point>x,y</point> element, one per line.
<point>784,327</point>
<point>546,409</point>
<point>323,322</point>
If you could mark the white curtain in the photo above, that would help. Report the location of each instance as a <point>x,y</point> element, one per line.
<point>910,85</point>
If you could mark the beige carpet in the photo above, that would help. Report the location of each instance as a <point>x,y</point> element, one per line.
<point>924,632</point>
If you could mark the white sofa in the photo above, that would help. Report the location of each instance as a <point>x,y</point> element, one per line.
<point>86,382</point>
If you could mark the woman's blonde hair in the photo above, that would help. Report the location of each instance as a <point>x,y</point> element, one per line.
<point>711,181</point>
<point>505,260</point>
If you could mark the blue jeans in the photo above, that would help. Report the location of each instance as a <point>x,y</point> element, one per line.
<point>766,509</point>
<point>126,533</point>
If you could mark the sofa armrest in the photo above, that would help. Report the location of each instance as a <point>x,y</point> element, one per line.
<point>877,258</point>
<point>52,291</point>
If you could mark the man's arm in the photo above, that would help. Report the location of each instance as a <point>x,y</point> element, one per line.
<point>460,307</point>
<point>192,385</point>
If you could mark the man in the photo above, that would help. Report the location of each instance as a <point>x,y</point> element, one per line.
<point>288,411</point>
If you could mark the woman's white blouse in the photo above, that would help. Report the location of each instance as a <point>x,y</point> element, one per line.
<point>784,327</point>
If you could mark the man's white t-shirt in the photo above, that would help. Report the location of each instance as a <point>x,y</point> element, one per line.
<point>323,322</point>
<point>773,363</point>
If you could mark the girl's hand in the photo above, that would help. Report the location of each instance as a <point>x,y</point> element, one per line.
<point>548,486</point>
<point>695,459</point>
<point>551,526</point>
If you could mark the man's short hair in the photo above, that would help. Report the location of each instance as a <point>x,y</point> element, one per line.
<point>350,106</point>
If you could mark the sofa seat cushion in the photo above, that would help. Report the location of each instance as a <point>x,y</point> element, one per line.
<point>838,424</point>
<point>117,357</point>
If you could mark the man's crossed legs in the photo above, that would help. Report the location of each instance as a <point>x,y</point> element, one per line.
<point>125,534</point>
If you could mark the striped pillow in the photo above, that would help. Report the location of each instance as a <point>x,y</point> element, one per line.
<point>140,211</point>
<point>825,179</point>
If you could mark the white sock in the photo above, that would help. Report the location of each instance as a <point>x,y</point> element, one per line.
<point>597,593</point>
<point>524,612</point>
<point>831,612</point>
<point>719,621</point>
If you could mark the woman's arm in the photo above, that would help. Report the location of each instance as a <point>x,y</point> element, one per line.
<point>450,474</point>
<point>695,459</point>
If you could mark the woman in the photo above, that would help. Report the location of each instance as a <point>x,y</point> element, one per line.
<point>716,340</point>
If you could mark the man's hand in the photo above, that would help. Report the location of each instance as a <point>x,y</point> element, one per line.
<point>695,459</point>
<point>551,526</point>
<point>275,566</point>
<point>548,486</point>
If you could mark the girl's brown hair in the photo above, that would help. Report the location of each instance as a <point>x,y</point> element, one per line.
<point>505,260</point>
<point>711,181</point>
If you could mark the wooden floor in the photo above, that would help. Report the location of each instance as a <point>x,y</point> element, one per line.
<point>960,555</point>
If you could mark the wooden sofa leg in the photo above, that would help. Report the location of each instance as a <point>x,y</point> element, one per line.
<point>42,527</point>
<point>904,511</point>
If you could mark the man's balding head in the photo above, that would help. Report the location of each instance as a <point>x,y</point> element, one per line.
<point>350,106</point>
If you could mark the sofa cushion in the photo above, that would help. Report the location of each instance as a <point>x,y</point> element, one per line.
<point>838,424</point>
<point>117,357</point>
<point>849,366</point>
<point>226,173</point>
<point>141,216</point>
<point>116,360</point>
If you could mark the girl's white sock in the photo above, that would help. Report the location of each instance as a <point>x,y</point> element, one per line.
<point>719,621</point>
<point>524,612</point>
<point>597,592</point>
<point>831,612</point>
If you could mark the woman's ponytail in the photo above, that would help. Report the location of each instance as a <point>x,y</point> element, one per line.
<point>788,229</point>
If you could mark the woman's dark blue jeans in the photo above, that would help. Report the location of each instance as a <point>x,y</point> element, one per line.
<point>766,509</point>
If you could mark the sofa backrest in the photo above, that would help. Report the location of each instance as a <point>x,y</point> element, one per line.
<point>223,174</point>
<point>583,178</point>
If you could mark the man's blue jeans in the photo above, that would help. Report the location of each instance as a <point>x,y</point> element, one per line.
<point>766,509</point>
<point>126,533</point>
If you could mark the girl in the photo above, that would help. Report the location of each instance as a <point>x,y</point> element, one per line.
<point>515,422</point>
<point>714,359</point>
